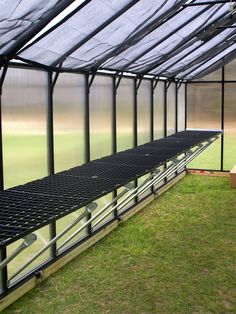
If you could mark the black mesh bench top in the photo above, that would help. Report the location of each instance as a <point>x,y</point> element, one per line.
<point>33,205</point>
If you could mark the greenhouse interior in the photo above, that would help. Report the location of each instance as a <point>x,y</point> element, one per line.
<point>104,105</point>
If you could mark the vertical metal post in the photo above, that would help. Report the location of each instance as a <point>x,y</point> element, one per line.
<point>53,233</point>
<point>3,272</point>
<point>50,152</point>
<point>152,118</point>
<point>165,117</point>
<point>50,131</point>
<point>1,145</point>
<point>176,111</point>
<point>87,134</point>
<point>87,124</point>
<point>2,78</point>
<point>152,110</point>
<point>186,106</point>
<point>135,124</point>
<point>114,129</point>
<point>114,135</point>
<point>185,109</point>
<point>135,113</point>
<point>165,109</point>
<point>176,107</point>
<point>222,118</point>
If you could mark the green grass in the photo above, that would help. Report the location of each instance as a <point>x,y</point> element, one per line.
<point>176,256</point>
<point>210,158</point>
<point>25,157</point>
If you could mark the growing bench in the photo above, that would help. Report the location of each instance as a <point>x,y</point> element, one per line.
<point>29,207</point>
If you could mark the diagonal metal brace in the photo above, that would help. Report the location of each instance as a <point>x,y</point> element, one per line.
<point>155,83</point>
<point>99,216</point>
<point>93,74</point>
<point>119,79</point>
<point>139,82</point>
<point>54,80</point>
<point>179,84</point>
<point>28,241</point>
<point>3,75</point>
<point>168,84</point>
<point>50,243</point>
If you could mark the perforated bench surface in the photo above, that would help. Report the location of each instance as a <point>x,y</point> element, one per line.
<point>31,206</point>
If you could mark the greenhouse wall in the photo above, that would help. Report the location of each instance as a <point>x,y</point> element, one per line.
<point>51,125</point>
<point>211,105</point>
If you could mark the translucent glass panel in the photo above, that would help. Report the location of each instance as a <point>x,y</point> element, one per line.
<point>24,103</point>
<point>69,102</point>
<point>204,112</point>
<point>42,240</point>
<point>204,106</point>
<point>64,222</point>
<point>159,110</point>
<point>141,182</point>
<point>127,200</point>
<point>171,102</point>
<point>209,159</point>
<point>159,184</point>
<point>144,112</point>
<point>106,214</point>
<point>230,71</point>
<point>125,114</point>
<point>214,76</point>
<point>101,116</point>
<point>230,126</point>
<point>181,108</point>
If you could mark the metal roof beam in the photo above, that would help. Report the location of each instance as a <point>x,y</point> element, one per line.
<point>95,32</point>
<point>21,41</point>
<point>191,39</point>
<point>209,53</point>
<point>226,59</point>
<point>207,60</point>
<point>55,26</point>
<point>140,34</point>
<point>182,57</point>
<point>166,37</point>
<point>208,2</point>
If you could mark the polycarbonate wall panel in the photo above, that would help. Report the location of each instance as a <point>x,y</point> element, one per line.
<point>101,116</point>
<point>43,237</point>
<point>159,110</point>
<point>214,76</point>
<point>204,106</point>
<point>171,102</point>
<point>144,112</point>
<point>230,126</point>
<point>181,108</point>
<point>64,223</point>
<point>204,112</point>
<point>125,114</point>
<point>230,71</point>
<point>24,103</point>
<point>68,104</point>
<point>105,215</point>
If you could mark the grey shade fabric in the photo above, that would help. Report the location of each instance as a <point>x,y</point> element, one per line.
<point>195,55</point>
<point>218,59</point>
<point>132,24</point>
<point>162,38</point>
<point>165,39</point>
<point>22,19</point>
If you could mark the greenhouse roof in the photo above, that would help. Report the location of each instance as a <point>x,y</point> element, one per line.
<point>173,38</point>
